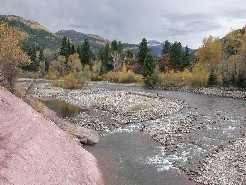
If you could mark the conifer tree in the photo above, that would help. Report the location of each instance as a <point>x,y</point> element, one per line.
<point>86,53</point>
<point>186,58</point>
<point>116,50</point>
<point>107,60</point>
<point>176,55</point>
<point>65,47</point>
<point>32,53</point>
<point>166,48</point>
<point>72,50</point>
<point>148,68</point>
<point>143,50</point>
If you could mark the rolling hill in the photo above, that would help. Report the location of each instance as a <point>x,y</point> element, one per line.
<point>38,35</point>
<point>77,38</point>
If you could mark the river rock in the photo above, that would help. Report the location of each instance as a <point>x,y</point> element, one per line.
<point>33,150</point>
<point>85,136</point>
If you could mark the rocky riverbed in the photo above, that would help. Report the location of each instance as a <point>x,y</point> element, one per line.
<point>108,109</point>
<point>223,161</point>
<point>208,146</point>
<point>225,165</point>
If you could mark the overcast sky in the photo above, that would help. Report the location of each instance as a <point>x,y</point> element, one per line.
<point>186,21</point>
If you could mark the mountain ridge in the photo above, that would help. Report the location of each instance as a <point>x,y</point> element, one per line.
<point>32,23</point>
<point>37,35</point>
<point>40,36</point>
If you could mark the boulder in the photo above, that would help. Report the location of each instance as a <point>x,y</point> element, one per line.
<point>84,135</point>
<point>33,150</point>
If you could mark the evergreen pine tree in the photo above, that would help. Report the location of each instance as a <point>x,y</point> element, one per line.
<point>148,68</point>
<point>72,50</point>
<point>166,48</point>
<point>107,58</point>
<point>65,47</point>
<point>176,55</point>
<point>86,53</point>
<point>143,50</point>
<point>212,79</point>
<point>186,58</point>
<point>35,63</point>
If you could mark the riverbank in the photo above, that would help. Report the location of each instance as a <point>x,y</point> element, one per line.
<point>214,91</point>
<point>35,151</point>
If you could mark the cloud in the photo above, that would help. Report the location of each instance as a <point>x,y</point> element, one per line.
<point>131,20</point>
<point>79,26</point>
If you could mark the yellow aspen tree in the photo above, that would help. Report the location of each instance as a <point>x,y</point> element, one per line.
<point>11,55</point>
<point>210,53</point>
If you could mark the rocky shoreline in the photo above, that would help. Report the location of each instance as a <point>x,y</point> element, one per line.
<point>214,91</point>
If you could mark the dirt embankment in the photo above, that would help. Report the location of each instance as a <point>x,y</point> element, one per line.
<point>33,150</point>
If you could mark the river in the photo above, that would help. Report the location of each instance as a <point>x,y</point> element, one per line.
<point>127,156</point>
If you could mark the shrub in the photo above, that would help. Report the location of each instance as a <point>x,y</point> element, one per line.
<point>111,76</point>
<point>71,81</point>
<point>123,77</point>
<point>96,71</point>
<point>170,79</point>
<point>212,79</point>
<point>225,82</point>
<point>127,77</point>
<point>85,73</point>
<point>241,80</point>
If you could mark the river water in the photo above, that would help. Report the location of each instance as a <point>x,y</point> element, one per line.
<point>127,156</point>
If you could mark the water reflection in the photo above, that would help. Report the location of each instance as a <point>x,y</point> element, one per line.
<point>63,109</point>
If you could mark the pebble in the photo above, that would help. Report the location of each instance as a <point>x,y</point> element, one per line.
<point>223,163</point>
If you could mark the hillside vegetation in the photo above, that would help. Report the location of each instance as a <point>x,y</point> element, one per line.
<point>37,35</point>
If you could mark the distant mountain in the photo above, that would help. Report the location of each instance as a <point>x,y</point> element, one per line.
<point>38,35</point>
<point>156,47</point>
<point>77,38</point>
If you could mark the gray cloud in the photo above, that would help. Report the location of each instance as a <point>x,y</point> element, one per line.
<point>79,26</point>
<point>131,20</point>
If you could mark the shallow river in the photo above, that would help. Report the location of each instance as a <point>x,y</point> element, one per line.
<point>127,156</point>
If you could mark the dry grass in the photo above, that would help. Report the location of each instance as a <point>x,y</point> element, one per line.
<point>138,107</point>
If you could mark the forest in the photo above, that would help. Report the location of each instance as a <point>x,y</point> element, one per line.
<point>217,62</point>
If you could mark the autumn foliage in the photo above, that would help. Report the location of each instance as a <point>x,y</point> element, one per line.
<point>123,76</point>
<point>11,55</point>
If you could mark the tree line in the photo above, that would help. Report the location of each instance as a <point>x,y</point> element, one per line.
<point>219,62</point>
